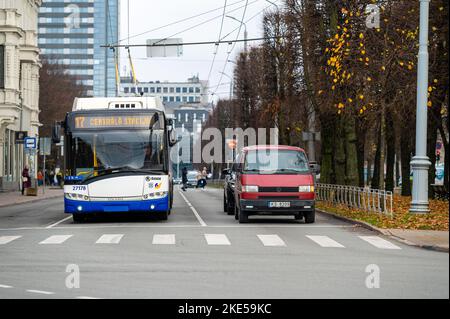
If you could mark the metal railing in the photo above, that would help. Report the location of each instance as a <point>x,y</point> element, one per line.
<point>366,199</point>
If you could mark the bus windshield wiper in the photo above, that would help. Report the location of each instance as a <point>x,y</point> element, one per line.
<point>113,170</point>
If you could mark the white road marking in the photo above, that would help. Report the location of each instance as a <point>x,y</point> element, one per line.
<point>55,240</point>
<point>217,239</point>
<point>325,241</point>
<point>58,222</point>
<point>42,292</point>
<point>5,286</point>
<point>7,239</point>
<point>109,239</point>
<point>166,239</point>
<point>86,297</point>
<point>200,220</point>
<point>271,240</point>
<point>182,226</point>
<point>379,242</point>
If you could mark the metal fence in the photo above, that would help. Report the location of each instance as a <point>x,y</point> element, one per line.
<point>367,199</point>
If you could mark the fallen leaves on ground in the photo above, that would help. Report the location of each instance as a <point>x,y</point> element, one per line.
<point>437,219</point>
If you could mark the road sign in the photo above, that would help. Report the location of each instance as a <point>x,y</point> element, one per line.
<point>45,146</point>
<point>172,47</point>
<point>30,143</point>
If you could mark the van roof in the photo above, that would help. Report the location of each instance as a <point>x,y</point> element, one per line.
<point>272,147</point>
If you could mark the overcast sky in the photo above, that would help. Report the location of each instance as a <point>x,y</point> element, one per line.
<point>147,15</point>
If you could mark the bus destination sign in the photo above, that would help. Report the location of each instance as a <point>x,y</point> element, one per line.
<point>112,121</point>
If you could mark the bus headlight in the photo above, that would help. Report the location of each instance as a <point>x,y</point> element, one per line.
<point>76,197</point>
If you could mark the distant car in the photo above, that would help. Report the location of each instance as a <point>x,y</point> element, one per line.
<point>228,191</point>
<point>276,180</point>
<point>191,178</point>
<point>177,180</point>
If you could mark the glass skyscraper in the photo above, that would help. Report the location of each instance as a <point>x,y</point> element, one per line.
<point>71,33</point>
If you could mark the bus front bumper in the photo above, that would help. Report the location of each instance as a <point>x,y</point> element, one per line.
<point>81,207</point>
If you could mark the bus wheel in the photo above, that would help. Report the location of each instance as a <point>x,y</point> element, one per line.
<point>78,218</point>
<point>164,215</point>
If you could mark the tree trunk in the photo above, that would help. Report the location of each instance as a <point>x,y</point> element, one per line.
<point>351,154</point>
<point>339,154</point>
<point>382,143</point>
<point>405,153</point>
<point>376,163</point>
<point>327,136</point>
<point>390,155</point>
<point>360,145</point>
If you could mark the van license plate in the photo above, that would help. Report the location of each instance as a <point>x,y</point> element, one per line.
<point>279,204</point>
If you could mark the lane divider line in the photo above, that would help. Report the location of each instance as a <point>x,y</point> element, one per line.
<point>200,220</point>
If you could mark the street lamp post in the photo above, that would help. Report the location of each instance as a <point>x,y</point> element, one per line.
<point>420,162</point>
<point>245,31</point>
<point>231,84</point>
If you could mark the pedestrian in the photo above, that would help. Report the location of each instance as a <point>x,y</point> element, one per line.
<point>26,182</point>
<point>184,178</point>
<point>204,176</point>
<point>40,178</point>
<point>59,178</point>
<point>199,179</point>
<point>52,177</point>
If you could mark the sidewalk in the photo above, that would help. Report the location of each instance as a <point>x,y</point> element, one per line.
<point>431,239</point>
<point>13,198</point>
<point>428,239</point>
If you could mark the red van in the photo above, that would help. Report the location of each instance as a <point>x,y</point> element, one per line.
<point>275,180</point>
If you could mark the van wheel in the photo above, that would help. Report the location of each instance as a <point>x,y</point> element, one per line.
<point>298,216</point>
<point>310,217</point>
<point>225,204</point>
<point>78,218</point>
<point>243,217</point>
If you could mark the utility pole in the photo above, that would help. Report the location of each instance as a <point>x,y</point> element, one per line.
<point>420,162</point>
<point>231,84</point>
<point>245,31</point>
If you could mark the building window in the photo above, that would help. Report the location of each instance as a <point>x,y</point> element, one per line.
<point>152,90</point>
<point>184,98</point>
<point>197,90</point>
<point>178,90</point>
<point>171,90</point>
<point>165,90</point>
<point>133,90</point>
<point>191,99</point>
<point>186,117</point>
<point>191,90</point>
<point>158,89</point>
<point>172,99</point>
<point>126,90</point>
<point>164,98</point>
<point>145,90</point>
<point>178,99</point>
<point>185,89</point>
<point>2,66</point>
<point>203,117</point>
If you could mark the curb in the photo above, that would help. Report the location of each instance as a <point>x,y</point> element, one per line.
<point>384,232</point>
<point>30,201</point>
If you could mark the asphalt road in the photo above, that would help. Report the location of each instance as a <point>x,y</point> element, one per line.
<point>201,252</point>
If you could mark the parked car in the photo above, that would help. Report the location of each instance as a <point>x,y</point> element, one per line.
<point>228,190</point>
<point>276,180</point>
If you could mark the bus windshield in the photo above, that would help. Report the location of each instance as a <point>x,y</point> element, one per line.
<point>103,150</point>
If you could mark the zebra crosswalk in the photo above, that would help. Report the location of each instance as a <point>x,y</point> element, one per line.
<point>266,240</point>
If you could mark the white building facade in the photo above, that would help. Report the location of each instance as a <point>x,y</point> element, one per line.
<point>19,87</point>
<point>193,90</point>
